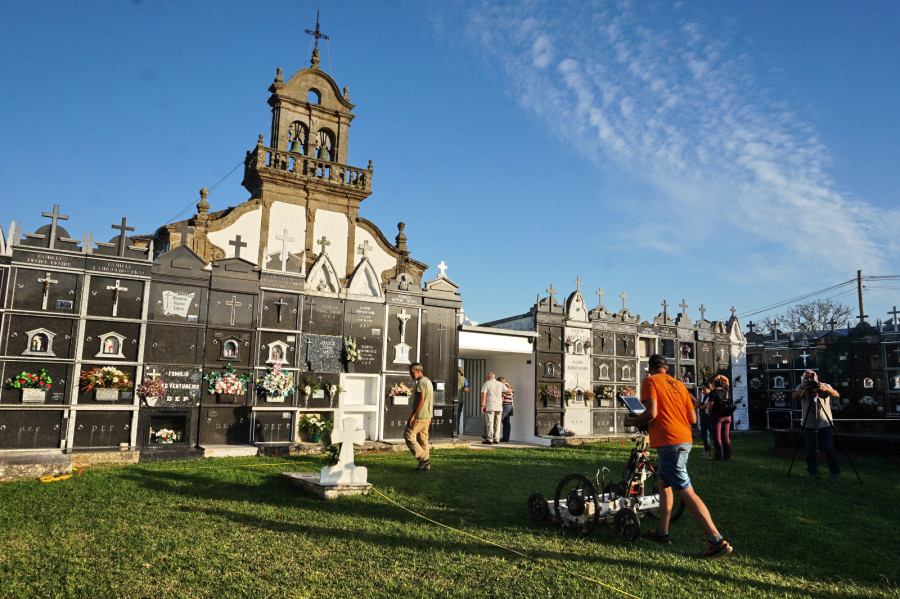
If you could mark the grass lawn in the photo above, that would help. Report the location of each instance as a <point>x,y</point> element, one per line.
<point>231,527</point>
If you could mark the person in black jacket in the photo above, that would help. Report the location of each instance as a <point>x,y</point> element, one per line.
<point>720,417</point>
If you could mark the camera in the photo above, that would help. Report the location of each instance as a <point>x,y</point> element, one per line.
<point>812,384</point>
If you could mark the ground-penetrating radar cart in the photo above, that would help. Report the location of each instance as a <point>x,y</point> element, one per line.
<point>578,507</point>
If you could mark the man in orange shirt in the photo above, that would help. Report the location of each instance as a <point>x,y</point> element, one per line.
<point>669,414</point>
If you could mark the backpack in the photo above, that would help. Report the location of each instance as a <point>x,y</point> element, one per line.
<point>723,404</point>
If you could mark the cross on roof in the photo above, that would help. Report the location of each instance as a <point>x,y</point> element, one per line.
<point>733,311</point>
<point>317,33</point>
<point>124,228</point>
<point>364,248</point>
<point>862,317</point>
<point>624,297</point>
<point>665,306</point>
<point>893,313</point>
<point>238,244</point>
<point>750,326</point>
<point>683,305</point>
<point>578,283</point>
<point>552,292</point>
<point>324,243</point>
<point>284,238</point>
<point>443,268</point>
<point>54,216</point>
<point>702,312</point>
<point>601,293</point>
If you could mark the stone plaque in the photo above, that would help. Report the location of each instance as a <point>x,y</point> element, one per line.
<point>396,416</point>
<point>550,366</point>
<point>321,353</point>
<point>626,371</point>
<point>177,303</point>
<point>277,347</point>
<point>321,398</point>
<point>224,426</point>
<point>577,372</point>
<point>111,341</point>
<point>604,343</point>
<point>273,427</point>
<point>228,347</point>
<point>604,370</point>
<point>114,297</point>
<point>281,281</point>
<point>439,344</point>
<point>102,429</point>
<point>322,316</point>
<point>402,338</point>
<point>45,291</point>
<point>58,372</point>
<point>625,344</point>
<point>578,419</point>
<point>31,429</point>
<point>403,298</point>
<point>364,322</point>
<point>183,385</point>
<point>38,337</point>
<point>603,421</point>
<point>116,268</point>
<point>173,344</point>
<point>550,338</point>
<point>546,421</point>
<point>44,260</point>
<point>227,309</point>
<point>280,310</point>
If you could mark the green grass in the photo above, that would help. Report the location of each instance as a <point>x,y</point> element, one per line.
<point>232,527</point>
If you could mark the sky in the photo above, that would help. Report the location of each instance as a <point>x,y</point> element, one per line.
<point>720,153</point>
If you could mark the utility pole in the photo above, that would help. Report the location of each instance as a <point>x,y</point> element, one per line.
<point>859,292</point>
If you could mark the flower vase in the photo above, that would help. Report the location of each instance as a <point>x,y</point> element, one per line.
<point>151,401</point>
<point>106,394</point>
<point>400,400</point>
<point>275,398</point>
<point>33,395</point>
<point>316,437</point>
<point>350,367</point>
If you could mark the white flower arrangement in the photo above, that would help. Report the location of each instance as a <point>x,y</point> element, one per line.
<point>277,381</point>
<point>164,435</point>
<point>868,401</point>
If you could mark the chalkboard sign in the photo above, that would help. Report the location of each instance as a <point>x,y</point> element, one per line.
<point>322,352</point>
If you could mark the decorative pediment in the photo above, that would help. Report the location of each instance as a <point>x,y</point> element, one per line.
<point>323,277</point>
<point>277,352</point>
<point>365,281</point>
<point>181,259</point>
<point>403,282</point>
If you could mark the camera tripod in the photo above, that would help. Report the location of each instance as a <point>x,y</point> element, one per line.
<point>813,399</point>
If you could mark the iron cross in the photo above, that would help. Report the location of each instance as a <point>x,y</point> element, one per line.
<point>116,289</point>
<point>54,216</point>
<point>124,228</point>
<point>317,33</point>
<point>47,281</point>
<point>279,305</point>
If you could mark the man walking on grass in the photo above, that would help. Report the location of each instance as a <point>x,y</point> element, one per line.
<point>669,414</point>
<point>416,433</point>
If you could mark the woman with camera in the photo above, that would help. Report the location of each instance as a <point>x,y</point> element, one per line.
<point>816,424</point>
<point>720,410</point>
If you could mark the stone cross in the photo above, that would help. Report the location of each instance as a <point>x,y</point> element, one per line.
<point>284,238</point>
<point>832,323</point>
<point>364,248</point>
<point>804,355</point>
<point>552,292</point>
<point>702,312</point>
<point>683,306</point>
<point>279,305</point>
<point>624,297</point>
<point>234,304</point>
<point>87,242</point>
<point>750,326</point>
<point>345,471</point>
<point>238,244</point>
<point>54,216</point>
<point>893,315</point>
<point>47,281</point>
<point>123,228</point>
<point>443,268</point>
<point>601,293</point>
<point>665,306</point>
<point>116,289</point>
<point>152,374</point>
<point>403,317</point>
<point>578,283</point>
<point>862,318</point>
<point>324,243</point>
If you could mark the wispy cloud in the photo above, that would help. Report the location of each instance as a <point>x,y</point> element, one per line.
<point>663,94</point>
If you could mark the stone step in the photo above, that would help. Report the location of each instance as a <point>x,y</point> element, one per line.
<point>229,451</point>
<point>34,464</point>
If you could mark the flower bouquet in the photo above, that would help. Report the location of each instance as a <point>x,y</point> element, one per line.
<point>309,387</point>
<point>164,435</point>
<point>107,380</point>
<point>400,394</point>
<point>868,402</point>
<point>315,427</point>
<point>626,391</point>
<point>606,395</point>
<point>33,385</point>
<point>277,383</point>
<point>333,391</point>
<point>351,354</point>
<point>550,394</point>
<point>228,382</point>
<point>151,390</point>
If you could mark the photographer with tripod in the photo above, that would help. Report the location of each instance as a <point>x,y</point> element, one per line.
<point>817,425</point>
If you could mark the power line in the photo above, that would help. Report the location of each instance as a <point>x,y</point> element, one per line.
<point>795,299</point>
<point>191,204</point>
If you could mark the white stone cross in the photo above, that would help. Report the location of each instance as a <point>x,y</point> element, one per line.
<point>624,297</point>
<point>324,243</point>
<point>601,293</point>
<point>578,283</point>
<point>364,248</point>
<point>153,373</point>
<point>116,289</point>
<point>47,281</point>
<point>233,303</point>
<point>443,268</point>
<point>683,306</point>
<point>284,239</point>
<point>345,471</point>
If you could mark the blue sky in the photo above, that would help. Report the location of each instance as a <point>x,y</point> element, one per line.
<point>727,153</point>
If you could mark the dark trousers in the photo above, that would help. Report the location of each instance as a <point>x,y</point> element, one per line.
<point>720,428</point>
<point>704,429</point>
<point>820,439</point>
<point>459,415</point>
<point>506,425</point>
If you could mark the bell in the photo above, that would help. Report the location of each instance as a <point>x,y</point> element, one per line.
<point>296,147</point>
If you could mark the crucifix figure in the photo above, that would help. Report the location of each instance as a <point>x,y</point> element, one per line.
<point>578,283</point>
<point>234,304</point>
<point>238,244</point>
<point>116,289</point>
<point>601,293</point>
<point>54,216</point>
<point>279,305</point>
<point>123,228</point>
<point>804,355</point>
<point>324,243</point>
<point>443,268</point>
<point>284,238</point>
<point>47,281</point>
<point>403,316</point>
<point>624,297</point>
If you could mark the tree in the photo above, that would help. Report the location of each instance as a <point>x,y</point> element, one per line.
<point>814,315</point>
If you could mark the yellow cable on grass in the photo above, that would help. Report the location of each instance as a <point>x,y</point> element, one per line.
<point>50,479</point>
<point>489,542</point>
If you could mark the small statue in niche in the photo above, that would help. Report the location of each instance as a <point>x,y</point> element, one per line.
<point>39,343</point>
<point>110,346</point>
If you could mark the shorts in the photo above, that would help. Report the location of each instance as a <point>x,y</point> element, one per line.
<point>673,465</point>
